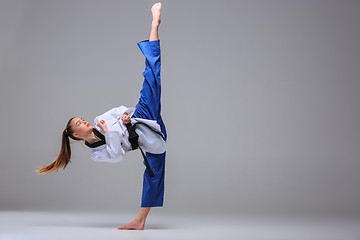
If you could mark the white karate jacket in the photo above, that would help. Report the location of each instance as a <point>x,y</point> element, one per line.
<point>151,139</point>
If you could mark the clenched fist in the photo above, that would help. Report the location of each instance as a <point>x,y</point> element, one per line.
<point>102,125</point>
<point>126,118</point>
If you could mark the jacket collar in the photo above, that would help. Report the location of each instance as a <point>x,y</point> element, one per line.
<point>98,143</point>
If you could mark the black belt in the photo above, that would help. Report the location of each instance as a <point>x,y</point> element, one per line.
<point>133,138</point>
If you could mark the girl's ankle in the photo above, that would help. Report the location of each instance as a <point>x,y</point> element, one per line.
<point>155,24</point>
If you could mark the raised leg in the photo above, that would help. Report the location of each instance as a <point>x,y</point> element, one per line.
<point>149,105</point>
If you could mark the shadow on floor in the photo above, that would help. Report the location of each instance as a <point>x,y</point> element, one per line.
<point>99,225</point>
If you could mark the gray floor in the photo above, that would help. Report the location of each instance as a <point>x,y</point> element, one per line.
<point>64,225</point>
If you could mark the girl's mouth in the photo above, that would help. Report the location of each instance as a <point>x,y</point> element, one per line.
<point>88,124</point>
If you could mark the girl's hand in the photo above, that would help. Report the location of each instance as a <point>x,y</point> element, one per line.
<point>102,125</point>
<point>126,118</point>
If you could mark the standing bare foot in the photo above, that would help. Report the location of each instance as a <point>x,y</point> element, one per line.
<point>156,12</point>
<point>133,225</point>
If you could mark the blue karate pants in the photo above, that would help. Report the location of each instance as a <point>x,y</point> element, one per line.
<point>149,107</point>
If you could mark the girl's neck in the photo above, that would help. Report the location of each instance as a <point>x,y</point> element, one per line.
<point>92,138</point>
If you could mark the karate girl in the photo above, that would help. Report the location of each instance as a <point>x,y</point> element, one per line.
<point>109,138</point>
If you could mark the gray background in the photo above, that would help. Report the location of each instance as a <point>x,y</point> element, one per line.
<point>260,100</point>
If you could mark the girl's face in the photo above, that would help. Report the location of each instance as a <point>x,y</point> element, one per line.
<point>81,127</point>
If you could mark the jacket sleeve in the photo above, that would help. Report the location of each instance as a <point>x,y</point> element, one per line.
<point>112,151</point>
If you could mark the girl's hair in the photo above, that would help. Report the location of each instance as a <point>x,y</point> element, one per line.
<point>65,152</point>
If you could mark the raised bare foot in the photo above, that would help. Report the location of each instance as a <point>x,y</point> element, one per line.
<point>156,12</point>
<point>133,225</point>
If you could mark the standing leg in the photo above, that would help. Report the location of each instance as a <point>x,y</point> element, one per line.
<point>149,107</point>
